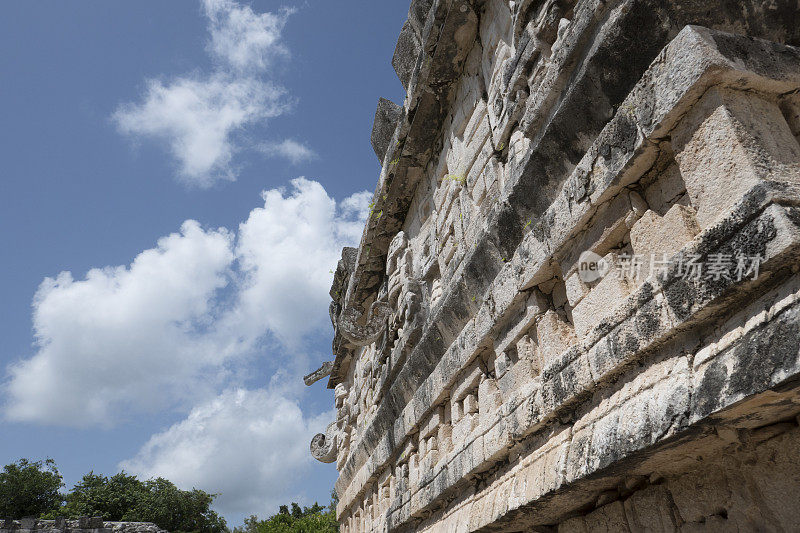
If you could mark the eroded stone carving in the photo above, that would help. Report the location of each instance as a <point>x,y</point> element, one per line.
<point>367,333</point>
<point>318,374</point>
<point>505,373</point>
<point>405,295</point>
<point>323,445</point>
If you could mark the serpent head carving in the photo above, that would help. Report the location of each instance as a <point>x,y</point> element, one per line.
<point>323,445</point>
<point>363,335</point>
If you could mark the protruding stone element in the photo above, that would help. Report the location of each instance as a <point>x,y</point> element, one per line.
<point>608,294</point>
<point>323,445</point>
<point>371,330</point>
<point>386,118</point>
<point>514,390</point>
<point>726,144</point>
<point>418,13</point>
<point>406,53</point>
<point>399,264</point>
<point>318,374</point>
<point>663,236</point>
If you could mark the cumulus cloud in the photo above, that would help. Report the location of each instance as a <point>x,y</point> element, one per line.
<point>286,251</point>
<point>123,336</point>
<point>171,327</point>
<point>202,117</point>
<point>289,149</point>
<point>248,446</point>
<point>196,118</point>
<point>242,39</point>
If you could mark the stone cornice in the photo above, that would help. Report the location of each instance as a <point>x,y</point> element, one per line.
<point>446,39</point>
<point>705,58</point>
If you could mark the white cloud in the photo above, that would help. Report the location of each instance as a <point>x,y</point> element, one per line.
<point>242,39</point>
<point>289,149</point>
<point>180,321</point>
<point>201,118</point>
<point>123,336</point>
<point>287,250</point>
<point>197,117</point>
<point>250,447</point>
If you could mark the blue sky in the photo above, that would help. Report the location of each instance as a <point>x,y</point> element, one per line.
<point>177,180</point>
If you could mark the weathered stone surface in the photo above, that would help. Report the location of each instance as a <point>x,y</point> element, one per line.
<point>386,118</point>
<point>659,237</point>
<point>83,524</point>
<point>728,142</point>
<point>501,391</point>
<point>608,294</point>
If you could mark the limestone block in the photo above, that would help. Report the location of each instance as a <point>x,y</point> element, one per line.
<point>575,289</point>
<point>489,400</point>
<point>554,335</point>
<point>406,53</point>
<point>605,230</point>
<point>431,425</point>
<point>467,381</point>
<point>699,496</point>
<point>386,117</point>
<point>778,485</point>
<point>432,444</point>
<point>727,143</point>
<point>609,518</point>
<point>413,470</point>
<point>527,351</point>
<point>502,364</point>
<point>573,525</point>
<point>521,373</point>
<point>470,403</point>
<point>462,429</point>
<point>790,106</point>
<point>444,438</point>
<point>650,510</point>
<point>456,411</point>
<point>663,192</point>
<point>607,295</point>
<point>655,239</point>
<point>663,236</point>
<point>559,295</point>
<point>507,300</point>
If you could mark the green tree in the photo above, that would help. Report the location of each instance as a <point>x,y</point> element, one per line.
<point>29,488</point>
<point>314,519</point>
<point>174,509</point>
<point>97,495</point>
<point>123,497</point>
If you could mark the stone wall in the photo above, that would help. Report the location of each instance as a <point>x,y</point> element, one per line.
<point>484,376</point>
<point>80,525</point>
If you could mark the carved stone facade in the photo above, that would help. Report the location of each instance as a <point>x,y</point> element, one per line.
<point>490,373</point>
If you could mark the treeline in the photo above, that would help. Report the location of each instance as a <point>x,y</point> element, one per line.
<point>314,519</point>
<point>33,489</point>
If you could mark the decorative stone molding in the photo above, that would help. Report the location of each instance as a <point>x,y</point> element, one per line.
<point>509,393</point>
<point>322,372</point>
<point>323,445</point>
<point>372,328</point>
